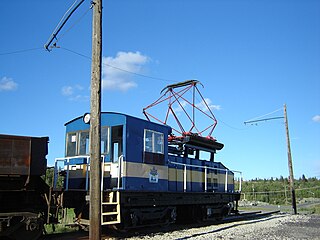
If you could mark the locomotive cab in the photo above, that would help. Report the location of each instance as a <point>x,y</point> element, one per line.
<point>133,154</point>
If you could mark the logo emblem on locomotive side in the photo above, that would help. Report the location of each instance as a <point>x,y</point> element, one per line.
<point>153,175</point>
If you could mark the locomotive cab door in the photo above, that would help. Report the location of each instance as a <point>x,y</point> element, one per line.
<point>116,156</point>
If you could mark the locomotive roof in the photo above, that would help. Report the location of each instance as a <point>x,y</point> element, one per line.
<point>120,114</point>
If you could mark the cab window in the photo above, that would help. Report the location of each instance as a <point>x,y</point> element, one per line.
<point>105,136</point>
<point>153,147</point>
<point>153,141</point>
<point>71,144</point>
<point>78,143</point>
<point>84,143</point>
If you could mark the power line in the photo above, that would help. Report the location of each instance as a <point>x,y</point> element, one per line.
<point>257,119</point>
<point>226,124</point>
<point>117,68</point>
<point>89,58</point>
<point>20,51</point>
<point>265,119</point>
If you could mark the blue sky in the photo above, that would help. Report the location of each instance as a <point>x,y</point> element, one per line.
<point>251,56</point>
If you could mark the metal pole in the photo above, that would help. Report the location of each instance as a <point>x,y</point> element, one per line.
<point>95,124</point>
<point>294,205</point>
<point>226,182</point>
<point>205,179</point>
<point>185,178</point>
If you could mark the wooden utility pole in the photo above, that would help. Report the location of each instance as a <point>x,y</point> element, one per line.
<point>95,124</point>
<point>294,205</point>
<point>293,194</point>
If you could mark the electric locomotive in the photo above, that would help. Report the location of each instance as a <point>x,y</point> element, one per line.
<point>148,176</point>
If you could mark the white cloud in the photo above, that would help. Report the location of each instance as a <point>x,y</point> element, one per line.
<point>201,105</point>
<point>316,118</point>
<point>74,93</point>
<point>115,70</point>
<point>67,91</point>
<point>7,84</point>
<point>179,108</point>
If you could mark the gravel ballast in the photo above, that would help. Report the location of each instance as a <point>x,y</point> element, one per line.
<point>281,226</point>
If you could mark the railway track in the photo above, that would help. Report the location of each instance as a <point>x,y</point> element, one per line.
<point>159,230</point>
<point>247,215</point>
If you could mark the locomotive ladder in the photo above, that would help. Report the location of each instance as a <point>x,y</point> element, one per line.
<point>110,201</point>
<point>110,208</point>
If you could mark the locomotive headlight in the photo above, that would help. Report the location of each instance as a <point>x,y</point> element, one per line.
<point>86,118</point>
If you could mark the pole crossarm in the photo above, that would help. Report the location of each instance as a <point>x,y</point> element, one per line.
<point>261,120</point>
<point>61,24</point>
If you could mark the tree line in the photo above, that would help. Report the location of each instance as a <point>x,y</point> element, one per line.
<point>277,190</point>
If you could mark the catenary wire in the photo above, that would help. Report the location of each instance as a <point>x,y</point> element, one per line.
<point>223,122</point>
<point>89,58</point>
<point>120,69</point>
<point>117,68</point>
<point>21,51</point>
<point>256,118</point>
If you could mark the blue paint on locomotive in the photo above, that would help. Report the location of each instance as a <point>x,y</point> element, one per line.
<point>146,164</point>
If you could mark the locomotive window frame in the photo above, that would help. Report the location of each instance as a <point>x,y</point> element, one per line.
<point>84,143</point>
<point>105,140</point>
<point>153,141</point>
<point>78,143</point>
<point>71,144</point>
<point>153,147</point>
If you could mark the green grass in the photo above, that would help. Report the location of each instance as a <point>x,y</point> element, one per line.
<point>64,225</point>
<point>311,210</point>
<point>59,228</point>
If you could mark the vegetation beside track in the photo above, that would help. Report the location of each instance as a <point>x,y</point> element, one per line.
<point>277,190</point>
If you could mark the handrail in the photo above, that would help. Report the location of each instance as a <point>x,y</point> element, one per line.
<point>120,172</point>
<point>185,165</point>
<point>63,159</point>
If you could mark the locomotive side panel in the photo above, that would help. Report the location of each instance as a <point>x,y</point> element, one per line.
<point>145,162</point>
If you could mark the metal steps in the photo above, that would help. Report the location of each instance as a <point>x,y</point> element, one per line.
<point>110,209</point>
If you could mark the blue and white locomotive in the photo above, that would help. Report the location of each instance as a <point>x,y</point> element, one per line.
<point>147,177</point>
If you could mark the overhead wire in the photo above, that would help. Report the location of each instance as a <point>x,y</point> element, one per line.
<point>228,125</point>
<point>257,118</point>
<point>63,20</point>
<point>57,27</point>
<point>21,51</point>
<point>117,68</point>
<point>89,58</point>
